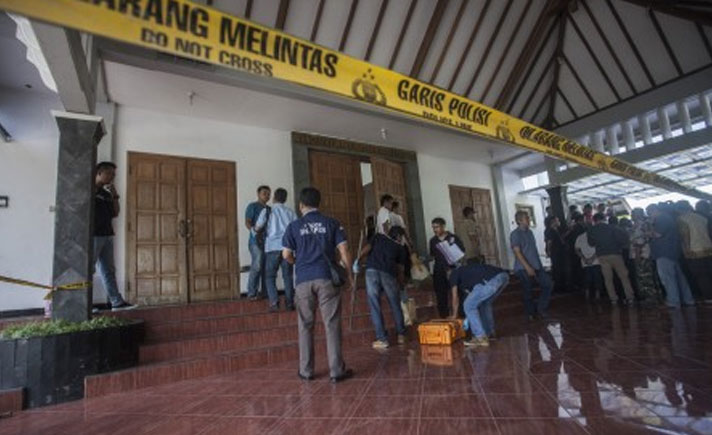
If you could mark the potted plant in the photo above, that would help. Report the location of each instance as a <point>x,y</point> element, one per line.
<point>50,359</point>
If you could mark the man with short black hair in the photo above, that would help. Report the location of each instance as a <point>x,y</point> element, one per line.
<point>528,267</point>
<point>479,285</point>
<point>443,266</point>
<point>385,272</point>
<point>274,221</point>
<point>609,242</point>
<point>383,219</point>
<point>310,243</point>
<point>256,243</point>
<point>106,208</point>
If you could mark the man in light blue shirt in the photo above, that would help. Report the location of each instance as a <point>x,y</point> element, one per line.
<point>276,219</point>
<point>528,267</point>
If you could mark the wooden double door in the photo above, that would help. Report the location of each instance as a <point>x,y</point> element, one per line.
<point>338,178</point>
<point>481,201</point>
<point>181,230</point>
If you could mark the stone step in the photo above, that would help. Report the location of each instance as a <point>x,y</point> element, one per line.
<point>247,339</point>
<point>215,363</point>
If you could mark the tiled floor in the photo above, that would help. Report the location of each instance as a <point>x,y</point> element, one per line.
<point>592,370</point>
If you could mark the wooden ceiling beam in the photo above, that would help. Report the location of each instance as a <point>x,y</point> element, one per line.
<point>427,41</point>
<point>282,14</point>
<point>558,55</point>
<point>632,44</point>
<point>317,20</point>
<point>567,102</point>
<point>485,55</point>
<point>666,43</point>
<point>248,9</point>
<point>376,29</point>
<point>608,44</point>
<point>347,28</point>
<point>705,39</point>
<point>525,77</point>
<point>468,46</point>
<point>404,28</point>
<point>450,36</point>
<point>537,84</point>
<point>505,52</point>
<point>593,55</point>
<point>525,56</point>
<point>580,82</point>
<point>670,8</point>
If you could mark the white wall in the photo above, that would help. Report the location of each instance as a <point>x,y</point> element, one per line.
<point>262,156</point>
<point>28,168</point>
<point>436,174</point>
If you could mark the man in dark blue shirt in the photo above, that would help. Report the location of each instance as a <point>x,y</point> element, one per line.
<point>528,267</point>
<point>480,285</point>
<point>385,271</point>
<point>257,248</point>
<point>311,243</point>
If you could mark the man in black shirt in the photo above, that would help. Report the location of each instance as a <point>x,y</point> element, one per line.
<point>387,258</point>
<point>480,284</point>
<point>443,265</point>
<point>106,208</point>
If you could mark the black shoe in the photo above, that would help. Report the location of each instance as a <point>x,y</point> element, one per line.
<point>305,378</point>
<point>347,374</point>
<point>274,308</point>
<point>290,308</point>
<point>123,306</point>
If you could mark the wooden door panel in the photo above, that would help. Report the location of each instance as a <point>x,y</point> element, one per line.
<point>338,178</point>
<point>212,243</point>
<point>155,256</point>
<point>389,178</point>
<point>481,201</point>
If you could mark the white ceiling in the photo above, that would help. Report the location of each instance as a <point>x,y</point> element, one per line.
<point>166,92</point>
<point>16,72</point>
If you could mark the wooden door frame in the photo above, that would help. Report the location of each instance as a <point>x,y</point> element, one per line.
<point>130,225</point>
<point>303,143</point>
<point>495,225</point>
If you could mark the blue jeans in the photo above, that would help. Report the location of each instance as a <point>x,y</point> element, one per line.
<point>273,261</point>
<point>256,268</point>
<point>478,305</point>
<point>527,285</point>
<point>104,260</point>
<point>375,282</point>
<point>674,281</point>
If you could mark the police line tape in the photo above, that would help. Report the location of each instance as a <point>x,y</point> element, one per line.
<point>52,289</point>
<point>191,30</point>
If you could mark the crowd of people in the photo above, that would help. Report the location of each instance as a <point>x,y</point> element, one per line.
<point>662,254</point>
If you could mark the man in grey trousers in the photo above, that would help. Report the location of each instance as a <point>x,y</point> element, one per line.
<point>310,243</point>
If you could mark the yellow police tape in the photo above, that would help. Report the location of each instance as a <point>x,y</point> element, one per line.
<point>72,286</point>
<point>192,30</point>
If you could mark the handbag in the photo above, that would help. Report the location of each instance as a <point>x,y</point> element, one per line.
<point>336,271</point>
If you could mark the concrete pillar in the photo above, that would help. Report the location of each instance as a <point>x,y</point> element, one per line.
<point>74,213</point>
<point>683,113</point>
<point>664,123</point>
<point>559,202</point>
<point>598,141</point>
<point>644,126</point>
<point>706,110</point>
<point>612,139</point>
<point>628,135</point>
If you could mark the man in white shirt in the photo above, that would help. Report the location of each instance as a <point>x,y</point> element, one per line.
<point>396,218</point>
<point>592,276</point>
<point>276,219</point>
<point>383,220</point>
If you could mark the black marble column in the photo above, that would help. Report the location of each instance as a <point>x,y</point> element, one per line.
<point>74,213</point>
<point>559,202</point>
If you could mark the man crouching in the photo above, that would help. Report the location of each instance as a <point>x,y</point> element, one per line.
<point>479,285</point>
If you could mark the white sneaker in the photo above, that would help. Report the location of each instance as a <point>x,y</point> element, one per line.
<point>123,307</point>
<point>380,344</point>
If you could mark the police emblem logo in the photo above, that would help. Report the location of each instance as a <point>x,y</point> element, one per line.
<point>365,89</point>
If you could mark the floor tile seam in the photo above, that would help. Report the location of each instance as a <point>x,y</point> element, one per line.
<point>421,389</point>
<point>342,428</point>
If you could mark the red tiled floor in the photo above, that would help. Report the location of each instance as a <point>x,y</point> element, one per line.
<point>593,369</point>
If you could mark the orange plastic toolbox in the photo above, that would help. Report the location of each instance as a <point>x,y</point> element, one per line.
<point>440,331</point>
<point>436,355</point>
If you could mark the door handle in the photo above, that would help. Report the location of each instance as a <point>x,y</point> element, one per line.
<point>182,229</point>
<point>189,229</point>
